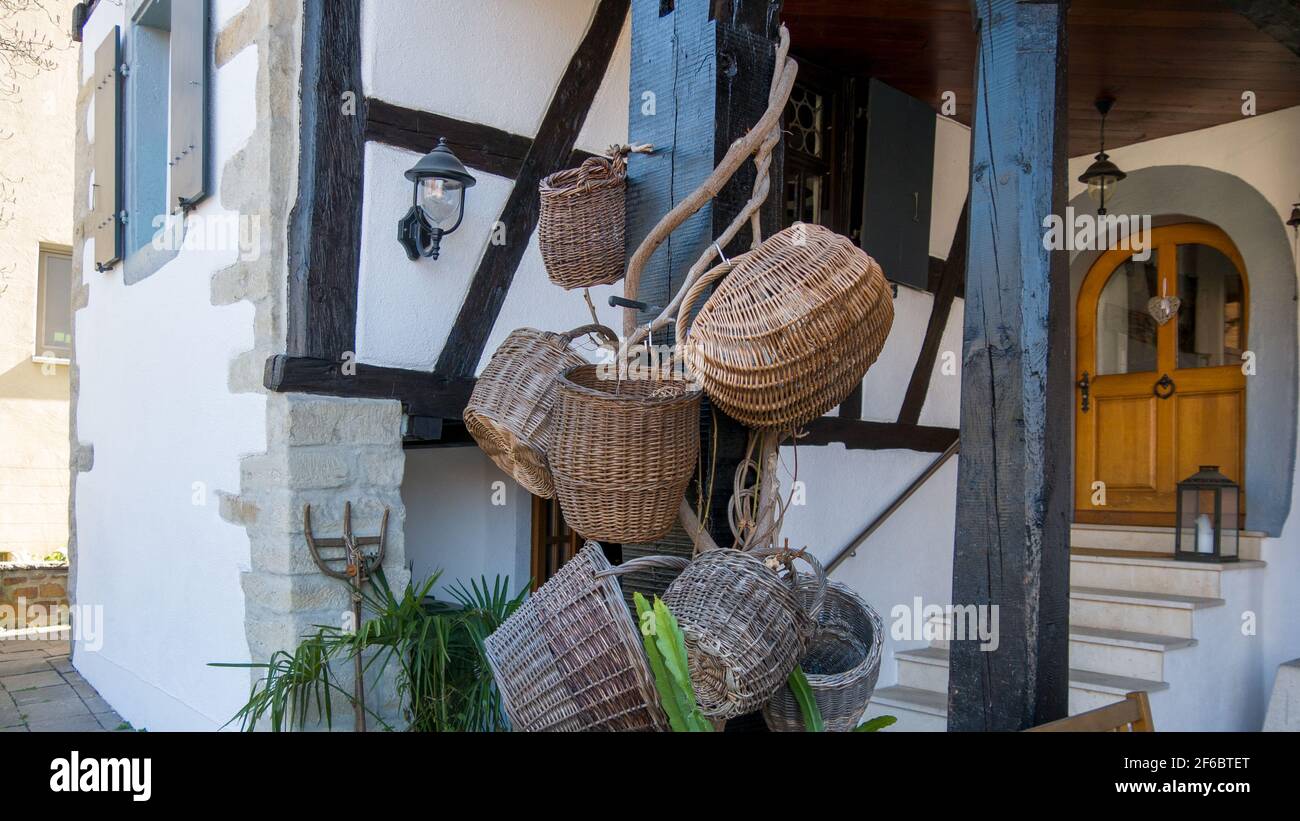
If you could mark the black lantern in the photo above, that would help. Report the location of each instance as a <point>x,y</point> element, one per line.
<point>1208,507</point>
<point>437,202</point>
<point>1103,174</point>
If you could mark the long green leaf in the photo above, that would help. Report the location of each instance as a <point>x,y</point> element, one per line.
<point>812,714</point>
<point>875,724</point>
<point>669,696</point>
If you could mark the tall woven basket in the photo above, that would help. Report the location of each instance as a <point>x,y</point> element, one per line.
<point>746,624</point>
<point>842,665</point>
<point>509,410</point>
<point>580,227</point>
<point>622,452</point>
<point>571,659</point>
<point>791,330</point>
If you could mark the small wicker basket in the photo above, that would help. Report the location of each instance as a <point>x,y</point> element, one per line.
<point>622,452</point>
<point>842,665</point>
<point>746,626</point>
<point>580,227</point>
<point>791,330</point>
<point>509,410</point>
<point>571,658</point>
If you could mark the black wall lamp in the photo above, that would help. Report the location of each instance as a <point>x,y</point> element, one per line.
<point>437,202</point>
<point>1103,174</point>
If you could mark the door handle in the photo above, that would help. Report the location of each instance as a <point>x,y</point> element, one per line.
<point>1084,385</point>
<point>1164,388</point>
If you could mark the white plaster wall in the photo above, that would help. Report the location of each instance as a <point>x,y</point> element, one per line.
<point>452,524</point>
<point>406,309</point>
<point>154,360</point>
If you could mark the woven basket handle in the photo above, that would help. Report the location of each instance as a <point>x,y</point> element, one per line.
<point>818,574</point>
<point>697,288</point>
<point>592,328</point>
<point>645,563</point>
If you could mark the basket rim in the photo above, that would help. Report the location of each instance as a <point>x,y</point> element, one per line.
<point>874,653</point>
<point>567,384</point>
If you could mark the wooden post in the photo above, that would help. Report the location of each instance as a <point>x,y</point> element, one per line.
<point>700,77</point>
<point>1013,497</point>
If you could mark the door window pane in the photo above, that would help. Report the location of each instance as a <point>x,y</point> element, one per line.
<point>1211,328</point>
<point>1126,333</point>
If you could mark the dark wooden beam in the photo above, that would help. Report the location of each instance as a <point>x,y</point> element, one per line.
<point>1011,548</point>
<point>861,434</point>
<point>479,146</point>
<point>1279,19</point>
<point>325,226</point>
<point>549,152</point>
<point>421,393</point>
<point>954,272</point>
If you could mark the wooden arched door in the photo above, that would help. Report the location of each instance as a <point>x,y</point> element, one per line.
<point>1155,401</point>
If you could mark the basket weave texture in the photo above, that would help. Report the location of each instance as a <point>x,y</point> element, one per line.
<point>509,410</point>
<point>792,329</point>
<point>580,227</point>
<point>622,453</point>
<point>745,625</point>
<point>842,665</point>
<point>571,659</point>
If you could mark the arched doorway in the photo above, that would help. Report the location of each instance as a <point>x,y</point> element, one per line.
<point>1155,401</point>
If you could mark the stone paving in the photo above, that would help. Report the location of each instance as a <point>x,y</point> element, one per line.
<point>41,692</point>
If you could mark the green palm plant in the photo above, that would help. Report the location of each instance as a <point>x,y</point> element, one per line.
<point>437,648</point>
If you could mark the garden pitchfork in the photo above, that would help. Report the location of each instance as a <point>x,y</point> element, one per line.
<point>357,565</point>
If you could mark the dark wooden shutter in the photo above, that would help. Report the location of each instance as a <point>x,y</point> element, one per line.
<point>187,146</point>
<point>899,172</point>
<point>104,222</point>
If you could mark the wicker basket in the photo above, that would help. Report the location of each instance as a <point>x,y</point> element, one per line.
<point>571,659</point>
<point>746,626</point>
<point>509,410</point>
<point>580,228</point>
<point>842,665</point>
<point>791,331</point>
<point>622,453</point>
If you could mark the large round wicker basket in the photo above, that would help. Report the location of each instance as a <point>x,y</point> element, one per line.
<point>746,626</point>
<point>622,452</point>
<point>580,227</point>
<point>842,665</point>
<point>509,410</point>
<point>571,659</point>
<point>791,330</point>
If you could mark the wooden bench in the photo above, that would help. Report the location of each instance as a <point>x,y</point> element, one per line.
<point>1132,715</point>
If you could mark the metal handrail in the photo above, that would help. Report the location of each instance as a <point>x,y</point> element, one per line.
<point>851,549</point>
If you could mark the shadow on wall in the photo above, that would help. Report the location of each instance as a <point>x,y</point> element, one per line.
<point>1185,193</point>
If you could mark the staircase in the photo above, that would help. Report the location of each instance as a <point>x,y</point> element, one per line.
<point>1132,607</point>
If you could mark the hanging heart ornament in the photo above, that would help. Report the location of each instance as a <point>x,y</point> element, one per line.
<point>1163,308</point>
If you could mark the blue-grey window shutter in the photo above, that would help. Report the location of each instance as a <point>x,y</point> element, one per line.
<point>104,222</point>
<point>899,172</point>
<point>188,141</point>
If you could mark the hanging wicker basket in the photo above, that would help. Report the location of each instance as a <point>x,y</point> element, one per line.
<point>746,624</point>
<point>509,410</point>
<point>570,658</point>
<point>791,330</point>
<point>580,228</point>
<point>622,452</point>
<point>842,665</point>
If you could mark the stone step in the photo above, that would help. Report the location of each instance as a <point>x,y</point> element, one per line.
<point>1147,539</point>
<point>1130,570</point>
<point>1160,614</point>
<point>1122,652</point>
<point>1088,689</point>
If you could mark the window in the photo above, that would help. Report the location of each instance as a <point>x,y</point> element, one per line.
<point>54,305</point>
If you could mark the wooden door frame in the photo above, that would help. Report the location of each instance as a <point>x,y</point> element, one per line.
<point>1096,278</point>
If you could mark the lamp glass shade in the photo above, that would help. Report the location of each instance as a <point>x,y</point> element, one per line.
<point>440,199</point>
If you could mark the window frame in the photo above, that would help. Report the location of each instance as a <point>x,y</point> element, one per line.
<point>63,355</point>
